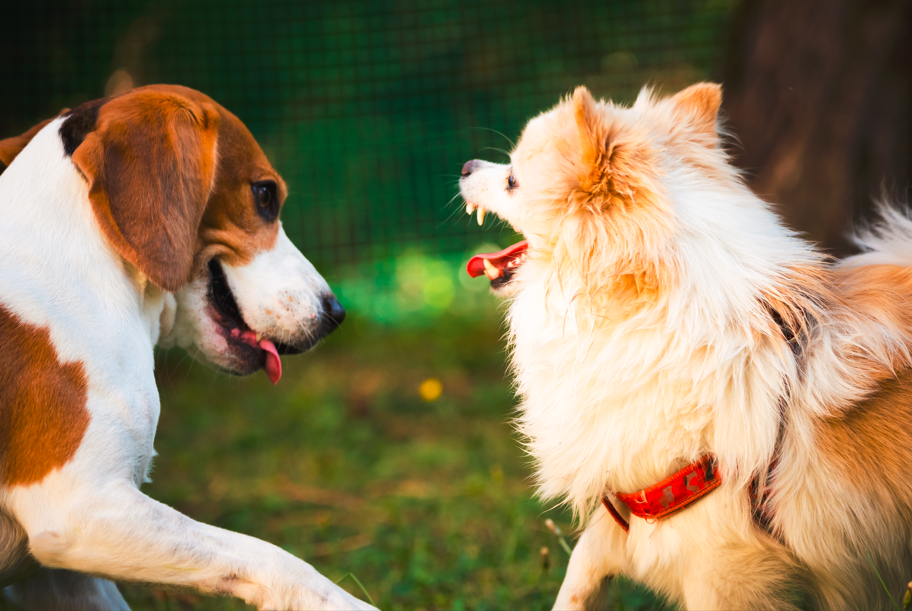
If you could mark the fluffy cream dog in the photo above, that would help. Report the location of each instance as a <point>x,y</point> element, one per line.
<point>660,313</point>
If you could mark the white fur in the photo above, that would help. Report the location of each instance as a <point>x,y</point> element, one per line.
<point>279,294</point>
<point>279,289</point>
<point>58,272</point>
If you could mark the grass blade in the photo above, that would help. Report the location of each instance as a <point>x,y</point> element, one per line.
<point>556,531</point>
<point>360,585</point>
<point>892,600</point>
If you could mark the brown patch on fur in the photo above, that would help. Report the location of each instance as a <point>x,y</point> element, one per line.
<point>880,291</point>
<point>11,147</point>
<point>170,174</point>
<point>869,446</point>
<point>879,295</point>
<point>43,414</point>
<point>634,290</point>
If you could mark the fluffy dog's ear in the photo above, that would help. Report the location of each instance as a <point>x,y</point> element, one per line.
<point>591,132</point>
<point>612,157</point>
<point>698,105</point>
<point>150,164</point>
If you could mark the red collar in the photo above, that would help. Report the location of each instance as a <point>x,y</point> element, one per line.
<point>669,495</point>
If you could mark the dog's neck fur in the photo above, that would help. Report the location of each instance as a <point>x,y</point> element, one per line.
<point>702,367</point>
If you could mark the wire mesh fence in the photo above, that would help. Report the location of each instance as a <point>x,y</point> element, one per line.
<point>367,108</point>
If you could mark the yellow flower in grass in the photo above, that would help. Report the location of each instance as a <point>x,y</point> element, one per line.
<point>430,389</point>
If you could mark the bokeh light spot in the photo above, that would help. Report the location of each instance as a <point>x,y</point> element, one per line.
<point>430,389</point>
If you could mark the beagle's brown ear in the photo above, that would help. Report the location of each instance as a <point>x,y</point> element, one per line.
<point>11,147</point>
<point>150,163</point>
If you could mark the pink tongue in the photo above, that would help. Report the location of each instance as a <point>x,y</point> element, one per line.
<point>273,364</point>
<point>499,260</point>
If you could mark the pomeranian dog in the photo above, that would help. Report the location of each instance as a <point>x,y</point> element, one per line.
<point>728,411</point>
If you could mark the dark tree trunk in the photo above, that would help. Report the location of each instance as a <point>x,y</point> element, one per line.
<point>819,94</point>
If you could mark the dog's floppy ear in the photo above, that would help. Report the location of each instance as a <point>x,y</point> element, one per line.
<point>11,147</point>
<point>150,163</point>
<point>698,105</point>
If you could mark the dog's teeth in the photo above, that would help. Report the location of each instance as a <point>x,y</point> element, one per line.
<point>481,213</point>
<point>490,271</point>
<point>258,336</point>
<point>470,208</point>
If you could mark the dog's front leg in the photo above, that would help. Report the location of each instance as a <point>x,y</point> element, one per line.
<point>595,559</point>
<point>118,532</point>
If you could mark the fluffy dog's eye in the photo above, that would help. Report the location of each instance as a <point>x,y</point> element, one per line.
<point>511,182</point>
<point>267,204</point>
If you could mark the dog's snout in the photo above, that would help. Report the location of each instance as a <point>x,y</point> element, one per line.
<point>333,313</point>
<point>469,167</point>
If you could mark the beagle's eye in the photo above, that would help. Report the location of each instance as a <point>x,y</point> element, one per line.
<point>511,182</point>
<point>267,204</point>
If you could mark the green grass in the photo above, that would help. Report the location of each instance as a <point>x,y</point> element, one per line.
<point>428,504</point>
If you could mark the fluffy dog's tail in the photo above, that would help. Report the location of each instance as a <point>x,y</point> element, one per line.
<point>887,240</point>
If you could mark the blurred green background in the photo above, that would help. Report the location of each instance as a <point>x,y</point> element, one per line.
<point>368,109</point>
<point>387,452</point>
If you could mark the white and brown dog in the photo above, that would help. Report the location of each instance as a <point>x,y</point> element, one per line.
<point>147,218</point>
<point>730,411</point>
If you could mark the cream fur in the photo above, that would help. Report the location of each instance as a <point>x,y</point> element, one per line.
<point>643,337</point>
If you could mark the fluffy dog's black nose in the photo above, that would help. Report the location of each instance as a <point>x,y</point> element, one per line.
<point>333,313</point>
<point>469,167</point>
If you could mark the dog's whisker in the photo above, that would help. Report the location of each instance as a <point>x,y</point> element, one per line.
<point>498,150</point>
<point>513,144</point>
<point>453,213</point>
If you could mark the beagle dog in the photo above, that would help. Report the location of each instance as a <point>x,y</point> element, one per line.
<point>151,217</point>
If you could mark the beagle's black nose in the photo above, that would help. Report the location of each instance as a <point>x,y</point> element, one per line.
<point>333,313</point>
<point>469,167</point>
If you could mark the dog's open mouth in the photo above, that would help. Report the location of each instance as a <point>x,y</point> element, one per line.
<point>227,314</point>
<point>499,267</point>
